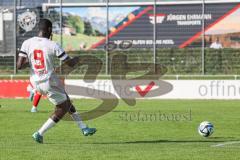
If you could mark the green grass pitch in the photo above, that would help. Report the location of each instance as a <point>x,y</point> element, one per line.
<point>122,135</point>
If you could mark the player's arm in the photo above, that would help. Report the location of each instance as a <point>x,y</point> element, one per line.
<point>71,61</point>
<point>22,61</point>
<point>68,62</point>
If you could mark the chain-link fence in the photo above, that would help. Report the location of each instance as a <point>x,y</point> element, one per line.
<point>188,37</point>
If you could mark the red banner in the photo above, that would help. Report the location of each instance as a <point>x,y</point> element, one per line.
<point>14,88</point>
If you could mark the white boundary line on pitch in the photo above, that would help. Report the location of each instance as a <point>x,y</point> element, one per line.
<point>225,144</point>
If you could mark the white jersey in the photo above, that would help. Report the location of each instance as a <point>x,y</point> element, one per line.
<point>41,52</point>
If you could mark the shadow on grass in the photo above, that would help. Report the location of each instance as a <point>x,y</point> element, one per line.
<point>145,142</point>
<point>204,140</point>
<point>207,140</point>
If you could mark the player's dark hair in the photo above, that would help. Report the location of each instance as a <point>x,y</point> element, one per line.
<point>44,26</point>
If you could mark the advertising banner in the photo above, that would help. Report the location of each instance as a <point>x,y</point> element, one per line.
<point>106,89</point>
<point>178,26</point>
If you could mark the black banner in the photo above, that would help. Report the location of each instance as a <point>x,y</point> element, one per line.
<point>177,26</point>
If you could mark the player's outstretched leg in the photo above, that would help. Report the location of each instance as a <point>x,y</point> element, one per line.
<point>31,92</point>
<point>36,99</point>
<point>60,111</point>
<point>76,117</point>
<point>58,114</point>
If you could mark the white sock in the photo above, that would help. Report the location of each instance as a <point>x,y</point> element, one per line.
<point>76,117</point>
<point>46,126</point>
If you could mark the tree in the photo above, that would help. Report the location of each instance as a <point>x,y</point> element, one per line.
<point>76,22</point>
<point>88,30</point>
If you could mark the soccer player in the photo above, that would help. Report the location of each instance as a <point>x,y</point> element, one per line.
<point>39,53</point>
<point>34,97</point>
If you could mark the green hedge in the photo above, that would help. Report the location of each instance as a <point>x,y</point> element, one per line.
<point>178,61</point>
<point>182,61</point>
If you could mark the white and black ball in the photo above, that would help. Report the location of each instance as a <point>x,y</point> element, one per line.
<point>205,129</point>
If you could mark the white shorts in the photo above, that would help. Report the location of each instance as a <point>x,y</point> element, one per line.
<point>53,88</point>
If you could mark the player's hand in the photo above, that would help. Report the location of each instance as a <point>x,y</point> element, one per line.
<point>71,62</point>
<point>68,65</point>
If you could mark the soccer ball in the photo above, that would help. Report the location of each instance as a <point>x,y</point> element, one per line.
<point>205,129</point>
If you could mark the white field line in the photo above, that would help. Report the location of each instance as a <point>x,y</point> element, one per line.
<point>225,144</point>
